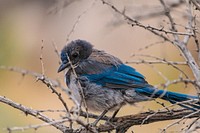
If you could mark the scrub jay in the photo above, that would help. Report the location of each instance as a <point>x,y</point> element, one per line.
<point>107,83</point>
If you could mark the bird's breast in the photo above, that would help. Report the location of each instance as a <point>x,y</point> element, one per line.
<point>74,88</point>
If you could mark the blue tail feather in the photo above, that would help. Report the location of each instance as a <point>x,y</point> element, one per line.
<point>172,97</point>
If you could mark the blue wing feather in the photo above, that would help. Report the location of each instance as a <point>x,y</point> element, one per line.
<point>129,71</point>
<point>172,97</point>
<point>118,75</point>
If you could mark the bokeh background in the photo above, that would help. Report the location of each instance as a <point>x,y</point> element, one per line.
<point>25,23</point>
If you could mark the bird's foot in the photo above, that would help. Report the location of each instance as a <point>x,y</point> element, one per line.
<point>110,121</point>
<point>94,124</point>
<point>91,128</point>
<point>88,129</point>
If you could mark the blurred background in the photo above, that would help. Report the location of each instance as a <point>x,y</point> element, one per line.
<point>26,24</point>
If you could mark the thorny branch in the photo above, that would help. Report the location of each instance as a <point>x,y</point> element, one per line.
<point>174,36</point>
<point>50,86</point>
<point>128,121</point>
<point>35,113</point>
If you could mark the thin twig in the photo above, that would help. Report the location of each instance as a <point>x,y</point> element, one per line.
<point>56,51</point>
<point>134,22</point>
<point>178,121</point>
<point>81,93</point>
<point>50,86</point>
<point>196,4</point>
<point>167,108</point>
<point>78,20</point>
<point>41,58</point>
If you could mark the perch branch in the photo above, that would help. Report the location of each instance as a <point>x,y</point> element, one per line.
<point>128,121</point>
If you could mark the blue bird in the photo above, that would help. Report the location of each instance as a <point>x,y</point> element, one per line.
<point>107,83</point>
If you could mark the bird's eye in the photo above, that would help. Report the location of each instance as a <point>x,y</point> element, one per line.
<point>75,55</point>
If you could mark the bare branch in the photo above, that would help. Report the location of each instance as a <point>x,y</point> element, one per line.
<point>178,121</point>
<point>35,113</point>
<point>128,121</point>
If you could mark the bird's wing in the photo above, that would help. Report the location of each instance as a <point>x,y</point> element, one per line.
<point>105,58</point>
<point>120,77</point>
<point>97,62</point>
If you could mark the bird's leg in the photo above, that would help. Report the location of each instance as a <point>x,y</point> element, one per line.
<point>103,113</point>
<point>114,114</point>
<point>99,118</point>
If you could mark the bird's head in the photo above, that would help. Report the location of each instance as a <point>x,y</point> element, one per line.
<point>74,52</point>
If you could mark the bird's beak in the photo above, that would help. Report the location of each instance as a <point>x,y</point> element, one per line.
<point>63,66</point>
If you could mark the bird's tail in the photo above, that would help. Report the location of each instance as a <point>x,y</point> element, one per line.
<point>184,100</point>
